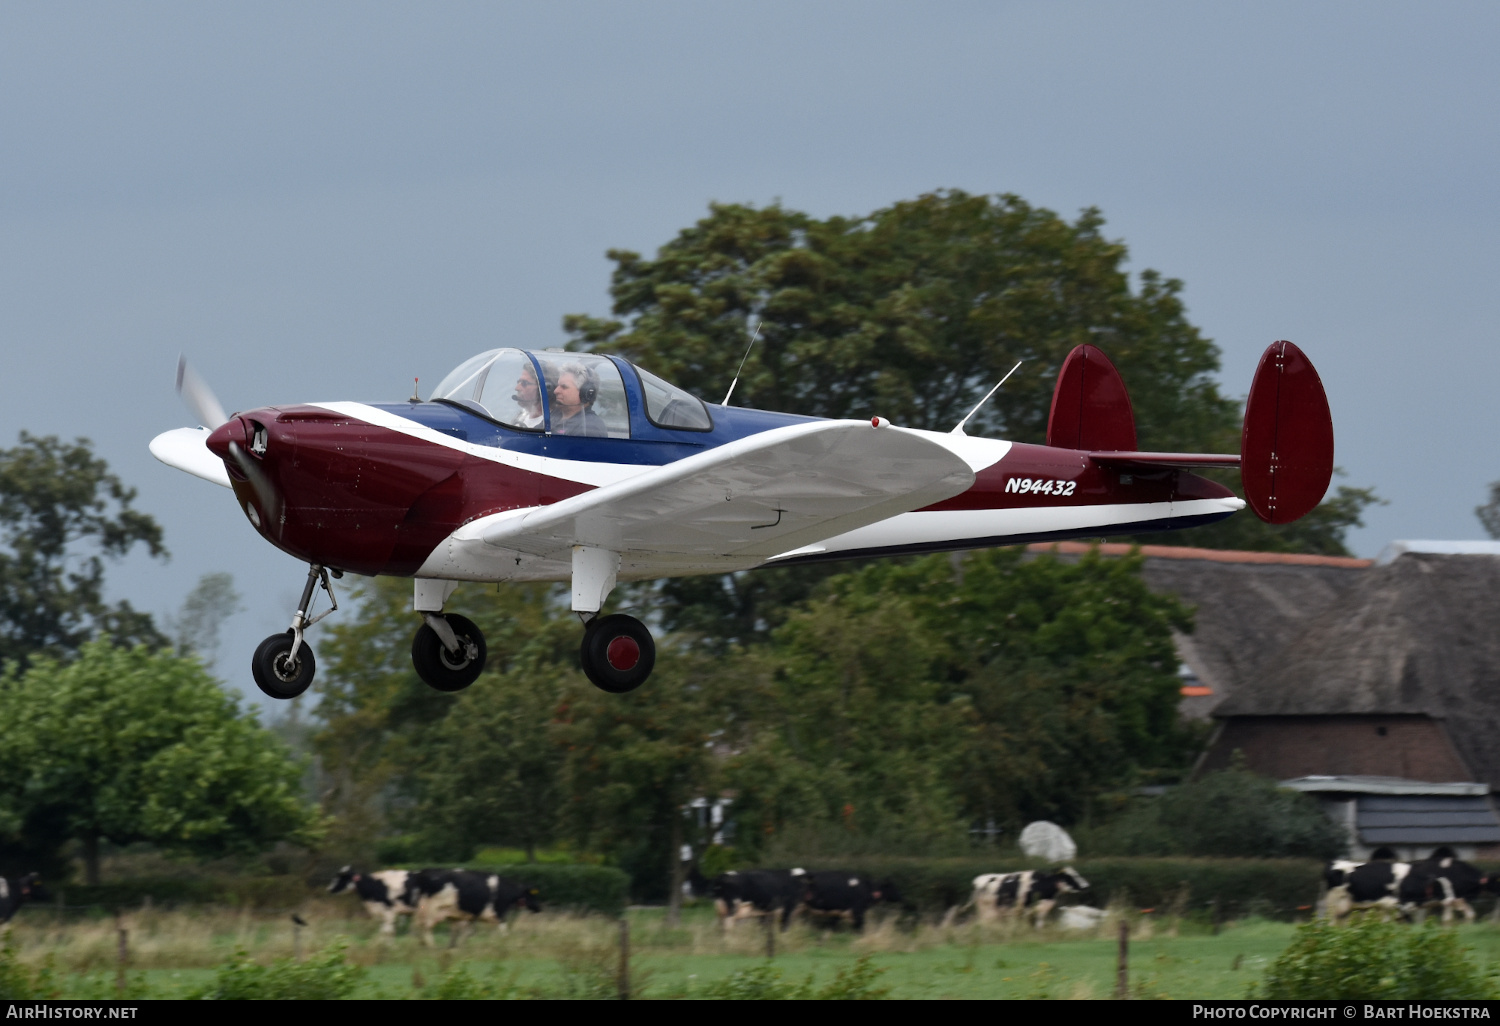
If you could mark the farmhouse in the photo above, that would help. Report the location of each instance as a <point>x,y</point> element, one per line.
<point>1374,685</point>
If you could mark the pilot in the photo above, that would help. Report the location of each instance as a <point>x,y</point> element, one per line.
<point>573,401</point>
<point>529,398</point>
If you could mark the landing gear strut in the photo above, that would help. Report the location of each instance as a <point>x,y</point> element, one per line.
<point>283,664</point>
<point>617,653</point>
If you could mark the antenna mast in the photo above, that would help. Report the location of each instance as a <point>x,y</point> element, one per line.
<point>741,367</point>
<point>958,428</point>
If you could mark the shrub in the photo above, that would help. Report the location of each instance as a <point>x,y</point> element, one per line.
<point>458,984</point>
<point>1373,958</point>
<point>18,983</point>
<point>1233,813</point>
<point>322,977</point>
<point>764,983</point>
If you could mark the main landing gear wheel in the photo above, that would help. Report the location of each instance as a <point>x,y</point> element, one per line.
<point>445,670</point>
<point>617,653</point>
<point>273,669</point>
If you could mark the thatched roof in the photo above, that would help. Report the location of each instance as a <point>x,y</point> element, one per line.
<point>1418,636</point>
<point>1248,605</point>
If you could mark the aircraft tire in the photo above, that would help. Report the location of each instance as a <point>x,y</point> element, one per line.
<point>617,653</point>
<point>437,666</point>
<point>268,667</point>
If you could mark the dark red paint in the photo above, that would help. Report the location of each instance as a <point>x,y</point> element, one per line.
<point>1090,405</point>
<point>1286,450</point>
<point>367,499</point>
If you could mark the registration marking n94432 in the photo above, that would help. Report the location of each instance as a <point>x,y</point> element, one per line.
<point>1041,485</point>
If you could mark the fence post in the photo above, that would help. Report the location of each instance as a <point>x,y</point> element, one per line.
<point>1122,974</point>
<point>622,978</point>
<point>1214,915</point>
<point>122,953</point>
<point>770,918</point>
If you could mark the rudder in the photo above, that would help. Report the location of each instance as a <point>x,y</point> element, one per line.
<point>1090,406</point>
<point>1286,449</point>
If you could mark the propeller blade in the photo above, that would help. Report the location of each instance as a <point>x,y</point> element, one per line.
<point>199,397</point>
<point>270,501</point>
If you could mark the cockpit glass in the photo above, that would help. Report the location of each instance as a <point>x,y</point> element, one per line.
<point>501,384</point>
<point>586,396</point>
<point>670,407</point>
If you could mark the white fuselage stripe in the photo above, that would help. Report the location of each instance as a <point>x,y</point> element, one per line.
<point>938,527</point>
<point>979,453</point>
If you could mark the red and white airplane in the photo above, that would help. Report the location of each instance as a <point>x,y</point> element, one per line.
<point>554,466</point>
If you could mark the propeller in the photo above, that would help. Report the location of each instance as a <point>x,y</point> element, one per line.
<point>200,399</point>
<point>198,396</point>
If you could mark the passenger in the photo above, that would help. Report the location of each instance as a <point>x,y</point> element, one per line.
<point>573,401</point>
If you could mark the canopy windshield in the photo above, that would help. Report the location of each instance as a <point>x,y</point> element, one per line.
<point>501,384</point>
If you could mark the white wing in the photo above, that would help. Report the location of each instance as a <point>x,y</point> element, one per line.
<point>184,449</point>
<point>749,499</point>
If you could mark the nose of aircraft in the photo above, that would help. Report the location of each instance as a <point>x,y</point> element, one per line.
<point>234,430</point>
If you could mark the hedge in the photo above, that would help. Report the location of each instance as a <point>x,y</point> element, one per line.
<point>1280,888</point>
<point>578,888</point>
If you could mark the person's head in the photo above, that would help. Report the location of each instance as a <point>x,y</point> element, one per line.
<point>528,394</point>
<point>577,387</point>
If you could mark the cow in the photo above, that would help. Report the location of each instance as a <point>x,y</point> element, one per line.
<point>742,893</point>
<point>1397,887</point>
<point>15,891</point>
<point>1457,884</point>
<point>1029,892</point>
<point>383,894</point>
<point>442,894</point>
<point>835,892</point>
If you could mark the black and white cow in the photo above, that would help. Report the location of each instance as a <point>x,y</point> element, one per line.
<point>1457,884</point>
<point>383,893</point>
<point>1398,887</point>
<point>15,891</point>
<point>745,893</point>
<point>442,894</point>
<point>834,892</point>
<point>1029,892</point>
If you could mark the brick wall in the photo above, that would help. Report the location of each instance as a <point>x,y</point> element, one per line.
<point>1414,747</point>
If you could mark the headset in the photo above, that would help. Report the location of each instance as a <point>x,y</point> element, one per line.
<point>587,381</point>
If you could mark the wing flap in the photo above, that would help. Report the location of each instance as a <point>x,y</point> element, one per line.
<point>755,497</point>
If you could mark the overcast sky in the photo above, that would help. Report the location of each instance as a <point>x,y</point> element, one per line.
<point>322,201</point>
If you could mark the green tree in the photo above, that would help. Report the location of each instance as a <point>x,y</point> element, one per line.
<point>635,761</point>
<point>489,771</point>
<point>195,629</point>
<point>986,685</point>
<point>377,718</point>
<point>61,514</point>
<point>911,312</point>
<point>1489,513</point>
<point>132,745</point>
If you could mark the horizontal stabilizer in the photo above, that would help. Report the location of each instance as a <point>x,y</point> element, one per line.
<point>1185,460</point>
<point>1090,407</point>
<point>1286,450</point>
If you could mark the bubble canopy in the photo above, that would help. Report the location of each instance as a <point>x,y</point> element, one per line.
<point>565,394</point>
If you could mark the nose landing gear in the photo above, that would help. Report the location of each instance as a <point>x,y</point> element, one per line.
<point>283,664</point>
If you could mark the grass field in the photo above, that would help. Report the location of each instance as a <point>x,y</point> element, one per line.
<point>557,955</point>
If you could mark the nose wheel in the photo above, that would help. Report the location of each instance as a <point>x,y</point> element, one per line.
<point>448,652</point>
<point>617,653</point>
<point>283,664</point>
